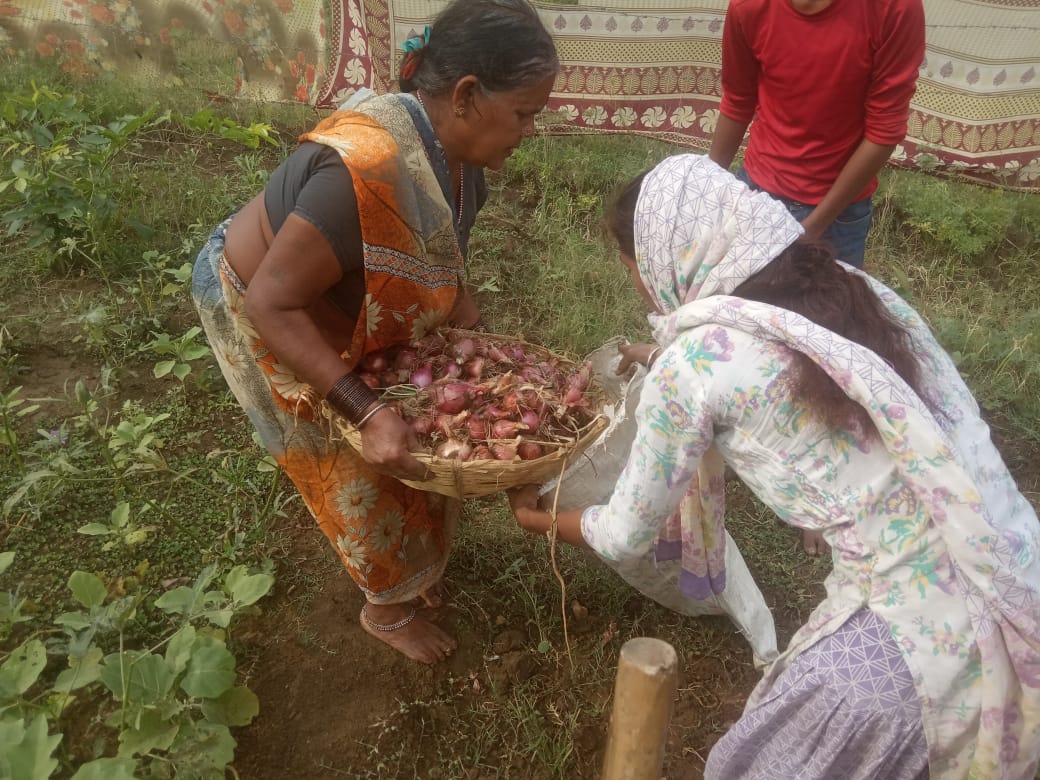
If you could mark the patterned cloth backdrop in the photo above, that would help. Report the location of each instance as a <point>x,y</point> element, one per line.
<point>642,66</point>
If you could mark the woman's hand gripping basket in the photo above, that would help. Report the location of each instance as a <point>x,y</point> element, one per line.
<point>493,412</point>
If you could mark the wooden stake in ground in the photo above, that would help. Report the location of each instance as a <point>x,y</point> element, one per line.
<point>643,696</point>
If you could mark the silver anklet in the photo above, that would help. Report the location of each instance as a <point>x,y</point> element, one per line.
<point>387,628</point>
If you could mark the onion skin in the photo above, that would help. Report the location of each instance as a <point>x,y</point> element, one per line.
<point>504,450</point>
<point>463,349</point>
<point>482,452</point>
<point>474,368</point>
<point>575,397</point>
<point>478,428</point>
<point>529,450</point>
<point>422,376</point>
<point>375,362</point>
<point>531,419</point>
<point>405,359</point>
<point>496,354</point>
<point>453,449</point>
<point>495,413</point>
<point>452,398</point>
<point>506,429</point>
<point>423,426</point>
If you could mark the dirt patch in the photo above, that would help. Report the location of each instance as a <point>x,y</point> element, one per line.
<point>336,703</point>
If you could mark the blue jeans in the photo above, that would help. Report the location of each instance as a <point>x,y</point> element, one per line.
<point>847,234</point>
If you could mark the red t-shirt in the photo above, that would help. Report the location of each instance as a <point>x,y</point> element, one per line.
<point>817,85</point>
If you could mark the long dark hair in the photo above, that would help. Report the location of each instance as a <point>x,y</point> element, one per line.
<point>806,279</point>
<point>501,42</point>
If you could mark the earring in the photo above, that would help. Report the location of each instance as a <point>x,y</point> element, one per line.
<point>460,111</point>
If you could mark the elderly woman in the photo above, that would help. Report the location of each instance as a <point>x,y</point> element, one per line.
<point>829,397</point>
<point>358,243</point>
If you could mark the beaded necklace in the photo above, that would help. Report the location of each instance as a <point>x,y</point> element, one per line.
<point>461,170</point>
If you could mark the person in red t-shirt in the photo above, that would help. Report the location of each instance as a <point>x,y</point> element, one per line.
<point>829,84</point>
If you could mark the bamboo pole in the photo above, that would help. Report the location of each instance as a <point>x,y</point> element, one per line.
<point>643,695</point>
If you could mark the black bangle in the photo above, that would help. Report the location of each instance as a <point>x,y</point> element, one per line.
<point>351,397</point>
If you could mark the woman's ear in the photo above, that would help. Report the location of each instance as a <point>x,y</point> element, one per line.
<point>463,94</point>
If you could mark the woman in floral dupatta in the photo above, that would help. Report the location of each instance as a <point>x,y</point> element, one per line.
<point>356,244</point>
<point>829,397</point>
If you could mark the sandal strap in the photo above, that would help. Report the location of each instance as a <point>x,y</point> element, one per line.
<point>387,627</point>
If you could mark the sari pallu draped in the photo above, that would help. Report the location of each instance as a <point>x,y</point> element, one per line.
<point>393,540</point>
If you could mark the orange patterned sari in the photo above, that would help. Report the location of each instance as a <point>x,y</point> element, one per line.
<point>393,540</point>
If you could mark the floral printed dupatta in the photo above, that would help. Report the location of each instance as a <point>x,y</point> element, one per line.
<point>695,225</point>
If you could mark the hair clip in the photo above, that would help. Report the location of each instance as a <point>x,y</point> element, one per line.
<point>416,42</point>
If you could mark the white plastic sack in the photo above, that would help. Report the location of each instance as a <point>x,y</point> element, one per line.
<point>590,481</point>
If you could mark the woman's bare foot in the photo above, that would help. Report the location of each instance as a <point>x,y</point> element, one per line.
<point>433,597</point>
<point>398,626</point>
<point>813,543</point>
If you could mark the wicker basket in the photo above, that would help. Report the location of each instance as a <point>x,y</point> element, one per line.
<point>470,479</point>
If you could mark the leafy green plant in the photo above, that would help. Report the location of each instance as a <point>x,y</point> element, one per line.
<point>940,209</point>
<point>121,528</point>
<point>206,121</point>
<point>170,707</point>
<point>183,350</point>
<point>59,190</point>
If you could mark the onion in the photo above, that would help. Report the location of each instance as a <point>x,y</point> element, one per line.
<point>474,368</point>
<point>505,429</point>
<point>452,371</point>
<point>517,353</point>
<point>375,362</point>
<point>478,428</point>
<point>496,412</point>
<point>422,376</point>
<point>581,379</point>
<point>504,450</point>
<point>405,359</point>
<point>452,398</point>
<point>453,449</point>
<point>530,418</point>
<point>390,378</point>
<point>463,349</point>
<point>529,450</point>
<point>423,426</point>
<point>533,374</point>
<point>511,402</point>
<point>482,452</point>
<point>496,354</point>
<point>370,379</point>
<point>574,396</point>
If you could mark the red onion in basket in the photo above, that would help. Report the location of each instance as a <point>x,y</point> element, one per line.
<point>453,449</point>
<point>452,398</point>
<point>530,418</point>
<point>422,376</point>
<point>405,359</point>
<point>504,450</point>
<point>505,429</point>
<point>375,362</point>
<point>423,425</point>
<point>463,349</point>
<point>529,450</point>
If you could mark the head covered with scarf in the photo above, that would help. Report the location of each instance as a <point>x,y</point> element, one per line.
<point>699,231</point>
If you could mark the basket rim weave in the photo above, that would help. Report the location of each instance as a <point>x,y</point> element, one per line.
<point>475,478</point>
